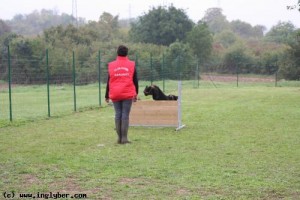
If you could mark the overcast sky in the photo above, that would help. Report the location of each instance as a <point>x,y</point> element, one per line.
<point>255,12</point>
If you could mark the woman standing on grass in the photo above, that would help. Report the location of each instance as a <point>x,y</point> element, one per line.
<point>122,88</point>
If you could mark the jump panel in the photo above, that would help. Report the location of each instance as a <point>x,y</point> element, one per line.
<point>154,113</point>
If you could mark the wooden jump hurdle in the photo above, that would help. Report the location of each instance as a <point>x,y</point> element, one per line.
<point>151,113</point>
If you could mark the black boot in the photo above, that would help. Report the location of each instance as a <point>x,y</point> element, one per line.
<point>124,131</point>
<point>118,130</point>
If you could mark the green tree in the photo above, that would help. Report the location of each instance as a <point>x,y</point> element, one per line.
<point>5,40</point>
<point>106,29</point>
<point>269,62</point>
<point>289,64</point>
<point>258,31</point>
<point>66,37</point>
<point>34,23</point>
<point>226,38</point>
<point>108,26</point>
<point>27,60</point>
<point>180,63</point>
<point>200,41</point>
<point>60,64</point>
<point>237,60</point>
<point>215,20</point>
<point>4,28</point>
<point>283,32</point>
<point>245,30</point>
<point>161,26</point>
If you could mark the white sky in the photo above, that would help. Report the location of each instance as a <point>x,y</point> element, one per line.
<point>255,12</point>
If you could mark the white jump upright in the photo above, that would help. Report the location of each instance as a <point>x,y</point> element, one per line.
<point>157,113</point>
<point>179,111</point>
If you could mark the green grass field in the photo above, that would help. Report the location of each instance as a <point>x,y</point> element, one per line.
<point>238,143</point>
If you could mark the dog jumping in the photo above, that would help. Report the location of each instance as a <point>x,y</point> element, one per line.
<point>157,94</point>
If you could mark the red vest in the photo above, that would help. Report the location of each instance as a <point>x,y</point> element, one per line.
<point>121,86</point>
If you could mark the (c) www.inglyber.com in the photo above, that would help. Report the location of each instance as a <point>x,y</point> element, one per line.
<point>50,195</point>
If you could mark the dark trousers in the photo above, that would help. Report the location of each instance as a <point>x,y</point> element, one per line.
<point>122,109</point>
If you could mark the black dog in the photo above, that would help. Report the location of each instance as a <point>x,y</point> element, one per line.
<point>157,94</point>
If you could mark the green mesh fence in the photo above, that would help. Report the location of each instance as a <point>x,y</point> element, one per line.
<point>43,85</point>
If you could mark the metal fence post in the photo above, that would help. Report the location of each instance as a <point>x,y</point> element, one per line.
<point>74,81</point>
<point>9,84</point>
<point>99,76</point>
<point>151,68</point>
<point>276,78</point>
<point>163,72</point>
<point>48,90</point>
<point>178,69</point>
<point>237,75</point>
<point>197,74</point>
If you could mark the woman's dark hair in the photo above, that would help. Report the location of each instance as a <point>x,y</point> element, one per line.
<point>122,50</point>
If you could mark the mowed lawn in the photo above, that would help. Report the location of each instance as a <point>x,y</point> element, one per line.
<point>238,143</point>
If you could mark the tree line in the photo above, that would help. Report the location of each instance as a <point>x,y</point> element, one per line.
<point>163,40</point>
